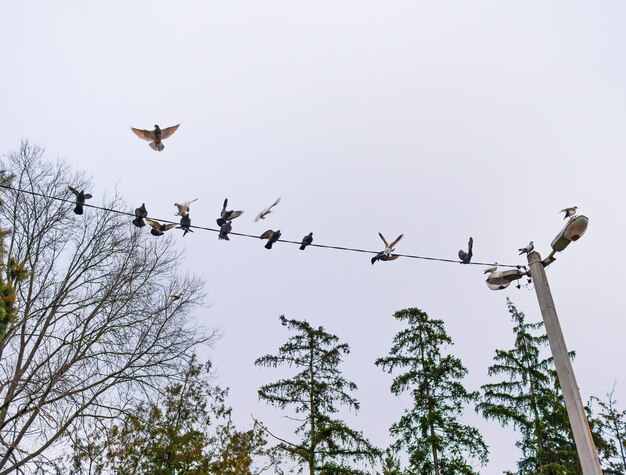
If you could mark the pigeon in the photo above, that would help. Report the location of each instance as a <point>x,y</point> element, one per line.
<point>491,270</point>
<point>185,224</point>
<point>266,211</point>
<point>528,249</point>
<point>306,240</point>
<point>80,199</point>
<point>387,255</point>
<point>183,208</point>
<point>157,228</point>
<point>227,215</point>
<point>140,214</point>
<point>155,136</point>
<point>381,256</point>
<point>569,211</point>
<point>271,236</point>
<point>466,257</point>
<point>224,230</point>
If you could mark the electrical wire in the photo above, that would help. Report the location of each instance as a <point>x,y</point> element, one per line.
<point>233,233</point>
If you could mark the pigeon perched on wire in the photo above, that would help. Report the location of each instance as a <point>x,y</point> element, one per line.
<point>569,211</point>
<point>155,136</point>
<point>226,215</point>
<point>185,224</point>
<point>528,249</point>
<point>81,196</point>
<point>225,228</point>
<point>140,214</point>
<point>183,208</point>
<point>271,236</point>
<point>466,257</point>
<point>386,254</point>
<point>491,270</point>
<point>157,228</point>
<point>266,211</point>
<point>306,240</point>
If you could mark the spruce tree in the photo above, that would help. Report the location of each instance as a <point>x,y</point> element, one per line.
<point>611,424</point>
<point>326,444</point>
<point>527,396</point>
<point>431,430</point>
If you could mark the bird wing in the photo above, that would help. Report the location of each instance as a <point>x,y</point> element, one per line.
<point>155,224</point>
<point>144,134</point>
<point>169,226</point>
<point>462,254</point>
<point>267,234</point>
<point>275,203</point>
<point>235,214</point>
<point>165,133</point>
<point>74,190</point>
<point>88,196</point>
<point>260,215</point>
<point>384,240</point>
<point>225,205</point>
<point>396,240</point>
<point>390,257</point>
<point>470,245</point>
<point>183,209</point>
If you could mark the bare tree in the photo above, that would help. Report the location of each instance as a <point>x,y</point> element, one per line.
<point>94,325</point>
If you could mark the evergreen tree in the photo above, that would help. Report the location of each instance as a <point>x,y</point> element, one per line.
<point>431,431</point>
<point>326,444</point>
<point>611,424</point>
<point>528,396</point>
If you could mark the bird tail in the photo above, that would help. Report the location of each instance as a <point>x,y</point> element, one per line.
<point>374,259</point>
<point>268,245</point>
<point>157,146</point>
<point>139,222</point>
<point>78,209</point>
<point>302,247</point>
<point>225,236</point>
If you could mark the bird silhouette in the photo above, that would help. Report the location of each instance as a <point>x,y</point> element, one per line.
<point>81,196</point>
<point>183,208</point>
<point>381,256</point>
<point>528,249</point>
<point>155,136</point>
<point>466,257</point>
<point>157,228</point>
<point>224,230</point>
<point>140,214</point>
<point>266,211</point>
<point>306,240</point>
<point>227,215</point>
<point>386,254</point>
<point>185,224</point>
<point>569,211</point>
<point>271,236</point>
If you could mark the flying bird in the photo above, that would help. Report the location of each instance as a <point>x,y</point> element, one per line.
<point>224,230</point>
<point>155,136</point>
<point>175,297</point>
<point>266,211</point>
<point>491,270</point>
<point>271,236</point>
<point>185,224</point>
<point>227,215</point>
<point>386,254</point>
<point>569,211</point>
<point>183,208</point>
<point>528,249</point>
<point>80,199</point>
<point>466,257</point>
<point>140,214</point>
<point>157,228</point>
<point>306,240</point>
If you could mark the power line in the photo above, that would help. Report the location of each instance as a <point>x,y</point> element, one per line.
<point>233,233</point>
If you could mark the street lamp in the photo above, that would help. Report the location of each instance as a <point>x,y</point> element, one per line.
<point>573,230</point>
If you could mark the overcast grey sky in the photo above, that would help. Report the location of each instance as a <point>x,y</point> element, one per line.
<point>438,120</point>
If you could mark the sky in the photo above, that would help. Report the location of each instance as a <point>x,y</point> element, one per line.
<point>439,120</point>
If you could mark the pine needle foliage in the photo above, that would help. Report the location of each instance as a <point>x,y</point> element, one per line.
<point>431,431</point>
<point>326,444</point>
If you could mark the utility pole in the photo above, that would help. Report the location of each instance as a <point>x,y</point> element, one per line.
<point>578,419</point>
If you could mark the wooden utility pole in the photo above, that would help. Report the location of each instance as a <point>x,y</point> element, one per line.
<point>578,419</point>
